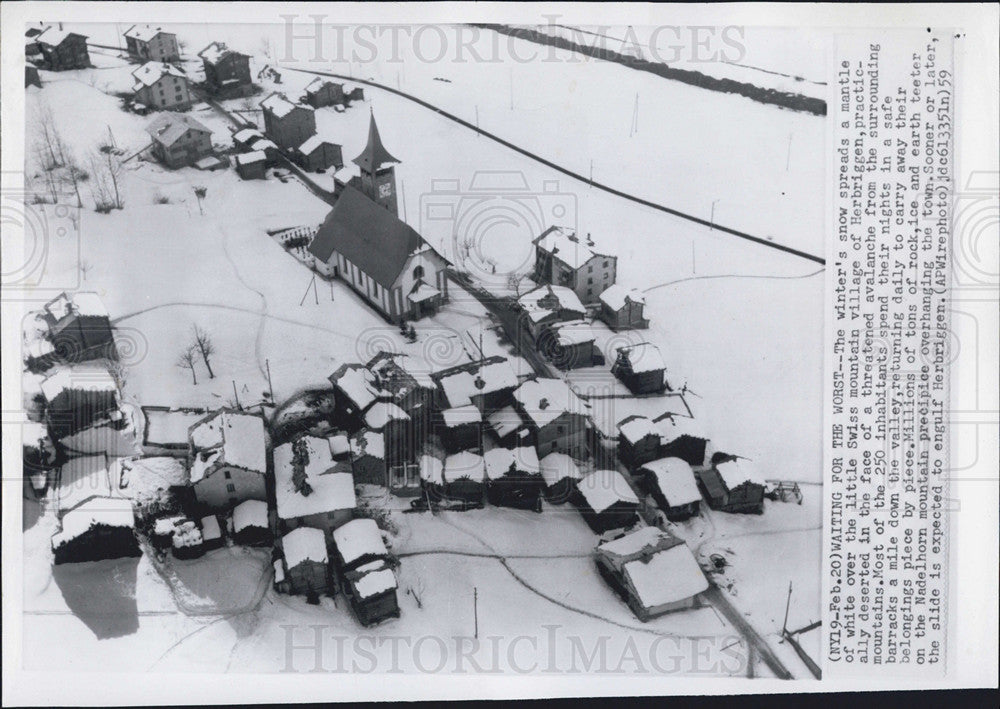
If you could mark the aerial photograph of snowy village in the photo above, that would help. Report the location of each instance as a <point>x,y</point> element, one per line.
<point>495,362</point>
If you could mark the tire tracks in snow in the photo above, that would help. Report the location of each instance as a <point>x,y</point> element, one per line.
<point>263,299</point>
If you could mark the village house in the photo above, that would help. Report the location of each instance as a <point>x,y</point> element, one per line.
<point>161,86</point>
<point>211,533</point>
<point>83,403</point>
<point>322,92</point>
<point>381,258</point>
<point>488,384</point>
<point>570,345</point>
<point>357,543</point>
<point>362,558</point>
<point>306,571</point>
<point>556,415</point>
<point>229,459</point>
<point>155,481</point>
<point>682,437</point>
<point>166,429</point>
<point>638,441</point>
<point>641,368</point>
<point>251,524</point>
<point>355,391</point>
<point>61,50</point>
<point>144,43</point>
<point>465,475</point>
<point>622,308</point>
<point>509,428</point>
<point>732,484</point>
<point>101,528</point>
<point>563,259</point>
<point>514,478</point>
<point>287,124</point>
<point>179,140</point>
<point>432,477</point>
<point>652,571</point>
<point>86,478</point>
<point>316,155</point>
<point>560,473</point>
<point>411,387</point>
<point>227,72</point>
<point>546,305</point>
<point>310,488</point>
<point>606,501</point>
<point>368,458</point>
<point>79,328</point>
<point>252,165</point>
<point>673,486</point>
<point>461,429</point>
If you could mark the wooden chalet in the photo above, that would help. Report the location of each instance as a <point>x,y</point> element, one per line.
<point>641,368</point>
<point>306,569</point>
<point>732,485</point>
<point>673,486</point>
<point>606,501</point>
<point>514,478</point>
<point>561,474</point>
<point>100,528</point>
<point>562,258</point>
<point>638,441</point>
<point>251,524</point>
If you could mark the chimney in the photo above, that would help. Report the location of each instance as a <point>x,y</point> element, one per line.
<point>590,242</point>
<point>479,382</point>
<point>543,404</point>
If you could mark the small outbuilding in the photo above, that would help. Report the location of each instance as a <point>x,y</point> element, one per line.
<point>641,368</point>
<point>251,526</point>
<point>461,428</point>
<point>372,591</point>
<point>317,154</point>
<point>682,437</point>
<point>306,561</point>
<point>560,474</point>
<point>252,165</point>
<point>514,478</point>
<point>465,475</point>
<point>638,441</point>
<point>673,486</point>
<point>368,450</point>
<point>606,501</point>
<point>101,528</point>
<point>733,485</point>
<point>622,308</point>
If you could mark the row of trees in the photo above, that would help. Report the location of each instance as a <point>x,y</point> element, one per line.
<point>201,345</point>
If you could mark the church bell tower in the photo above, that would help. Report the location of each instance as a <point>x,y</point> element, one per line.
<point>378,172</point>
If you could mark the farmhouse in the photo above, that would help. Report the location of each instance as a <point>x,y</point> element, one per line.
<point>355,390</point>
<point>622,308</point>
<point>227,73</point>
<point>85,478</point>
<point>464,475</point>
<point>672,484</point>
<point>487,384</point>
<point>287,124</point>
<point>179,140</point>
<point>166,429</point>
<point>79,328</point>
<point>252,165</point>
<point>560,474</point>
<point>638,441</point>
<point>306,561</point>
<point>411,388</point>
<point>461,428</point>
<point>316,154</point>
<point>652,571</point>
<point>369,458</point>
<point>514,478</point>
<point>322,92</point>
<point>145,43</point>
<point>101,528</point>
<point>310,488</point>
<point>251,526</point>
<point>556,415</point>
<point>381,258</point>
<point>733,485</point>
<point>683,438</point>
<point>563,259</point>
<point>641,368</point>
<point>509,428</point>
<point>161,86</point>
<point>82,399</point>
<point>229,459</point>
<point>61,50</point>
<point>570,345</point>
<point>549,304</point>
<point>606,501</point>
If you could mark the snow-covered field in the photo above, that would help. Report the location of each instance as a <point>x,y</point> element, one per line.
<point>740,322</point>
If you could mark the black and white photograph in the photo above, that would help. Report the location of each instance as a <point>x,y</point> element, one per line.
<point>563,345</point>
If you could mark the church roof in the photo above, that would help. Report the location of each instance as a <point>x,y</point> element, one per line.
<point>374,156</point>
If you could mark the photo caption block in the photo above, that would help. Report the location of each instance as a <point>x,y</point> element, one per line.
<point>886,378</point>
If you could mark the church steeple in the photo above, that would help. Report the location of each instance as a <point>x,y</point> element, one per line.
<point>378,173</point>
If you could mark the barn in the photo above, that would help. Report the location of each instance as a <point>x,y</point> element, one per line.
<point>641,368</point>
<point>560,474</point>
<point>570,345</point>
<point>557,416</point>
<point>487,383</point>
<point>652,571</point>
<point>509,428</point>
<point>306,561</point>
<point>359,542</point>
<point>547,305</point>
<point>252,165</point>
<point>78,399</point>
<point>251,526</point>
<point>684,438</point>
<point>733,485</point>
<point>368,452</point>
<point>229,458</point>
<point>372,590</point>
<point>514,478</point>
<point>606,501</point>
<point>672,484</point>
<point>322,92</point>
<point>355,390</point>
<point>310,488</point>
<point>101,528</point>
<point>316,154</point>
<point>638,441</point>
<point>465,477</point>
<point>622,308</point>
<point>85,478</point>
<point>461,429</point>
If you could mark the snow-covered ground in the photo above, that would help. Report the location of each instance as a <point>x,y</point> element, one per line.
<point>734,318</point>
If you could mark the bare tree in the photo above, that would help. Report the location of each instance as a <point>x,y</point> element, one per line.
<point>49,134</point>
<point>85,267</point>
<point>200,191</point>
<point>48,169</point>
<point>74,175</point>
<point>514,280</point>
<point>186,361</point>
<point>105,175</point>
<point>203,343</point>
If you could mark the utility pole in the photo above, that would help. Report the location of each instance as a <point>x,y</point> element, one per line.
<point>475,610</point>
<point>270,386</point>
<point>236,394</point>
<point>402,196</point>
<point>712,218</point>
<point>634,128</point>
<point>788,603</point>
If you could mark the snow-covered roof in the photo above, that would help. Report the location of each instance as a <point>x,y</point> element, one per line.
<point>167,525</point>
<point>304,544</point>
<point>464,465</point>
<point>498,462</point>
<point>615,296</point>
<point>736,472</point>
<point>556,466</point>
<point>318,83</point>
<point>347,172</point>
<point>675,479</point>
<point>237,438</point>
<point>382,412</point>
<point>279,571</point>
<point>574,332</point>
<point>505,421</point>
<point>358,383</point>
<point>151,72</point>
<point>604,488</point>
<point>460,387</point>
<point>107,511</point>
<point>331,490</point>
<point>421,292</point>
<point>168,127</point>
<point>169,426</point>
<point>253,156</point>
<point>216,52</point>
<point>359,538</point>
<point>312,143</point>
<point>242,136</point>
<point>145,33</point>
<point>375,582</point>
<point>548,298</point>
<point>368,442</point>
<point>644,357</point>
<point>545,400</point>
<point>673,427</point>
<point>461,415</point>
<point>637,428</point>
<point>54,36</point>
<point>82,303</point>
<point>670,575</point>
<point>81,378</point>
<point>526,460</point>
<point>210,528</point>
<point>565,245</point>
<point>187,534</point>
<point>340,444</point>
<point>250,513</point>
<point>278,105</point>
<point>634,542</point>
<point>146,477</point>
<point>34,433</point>
<point>431,470</point>
<point>85,477</point>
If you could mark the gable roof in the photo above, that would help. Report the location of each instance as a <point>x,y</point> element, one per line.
<point>545,400</point>
<point>556,466</point>
<point>561,297</point>
<point>358,384</point>
<point>167,127</point>
<point>369,236</point>
<point>318,83</point>
<point>615,296</point>
<point>229,438</point>
<point>359,538</point>
<point>312,144</point>
<point>374,156</point>
<point>54,37</point>
<point>675,479</point>
<point>277,104</point>
<point>565,245</point>
<point>217,51</point>
<point>304,544</point>
<point>643,357</point>
<point>151,72</point>
<point>145,33</point>
<point>604,488</point>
